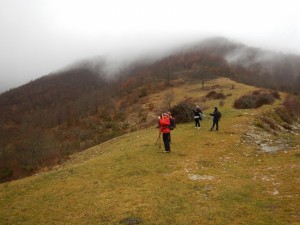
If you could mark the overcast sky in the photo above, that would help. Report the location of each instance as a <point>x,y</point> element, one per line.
<point>38,37</point>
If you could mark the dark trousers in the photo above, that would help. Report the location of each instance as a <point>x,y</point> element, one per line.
<point>215,122</point>
<point>197,122</point>
<point>166,140</point>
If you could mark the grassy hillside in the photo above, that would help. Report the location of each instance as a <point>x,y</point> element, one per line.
<point>209,178</point>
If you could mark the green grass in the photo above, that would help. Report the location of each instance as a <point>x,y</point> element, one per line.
<point>130,177</point>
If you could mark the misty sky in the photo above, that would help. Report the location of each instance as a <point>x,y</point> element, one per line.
<point>41,36</point>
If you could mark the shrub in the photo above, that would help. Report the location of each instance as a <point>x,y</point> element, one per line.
<point>215,95</point>
<point>261,124</point>
<point>255,99</point>
<point>220,96</point>
<point>183,112</point>
<point>221,103</point>
<point>264,99</point>
<point>270,122</point>
<point>211,94</point>
<point>284,115</point>
<point>245,102</point>
<point>275,94</point>
<point>256,92</point>
<point>292,104</point>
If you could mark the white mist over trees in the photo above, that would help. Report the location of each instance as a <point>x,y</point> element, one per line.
<point>41,37</point>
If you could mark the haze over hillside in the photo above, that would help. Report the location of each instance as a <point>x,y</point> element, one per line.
<point>281,71</point>
<point>261,62</point>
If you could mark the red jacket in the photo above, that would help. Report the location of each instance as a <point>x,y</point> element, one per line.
<point>164,123</point>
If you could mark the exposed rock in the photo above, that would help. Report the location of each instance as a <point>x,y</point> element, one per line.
<point>266,141</point>
<point>200,177</point>
<point>131,220</point>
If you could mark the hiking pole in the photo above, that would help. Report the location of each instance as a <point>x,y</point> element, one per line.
<point>159,146</point>
<point>159,133</point>
<point>159,140</point>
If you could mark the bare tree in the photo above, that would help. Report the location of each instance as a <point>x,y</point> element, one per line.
<point>199,71</point>
<point>169,98</point>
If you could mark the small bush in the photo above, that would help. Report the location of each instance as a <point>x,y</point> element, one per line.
<point>292,105</point>
<point>256,92</point>
<point>261,124</point>
<point>255,99</point>
<point>270,122</point>
<point>221,103</point>
<point>220,96</point>
<point>215,95</point>
<point>275,94</point>
<point>245,102</point>
<point>211,94</point>
<point>284,115</point>
<point>264,99</point>
<point>183,112</point>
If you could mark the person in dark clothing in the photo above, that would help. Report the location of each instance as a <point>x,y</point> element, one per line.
<point>164,123</point>
<point>216,117</point>
<point>197,116</point>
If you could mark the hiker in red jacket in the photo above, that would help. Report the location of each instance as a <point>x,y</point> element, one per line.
<point>164,126</point>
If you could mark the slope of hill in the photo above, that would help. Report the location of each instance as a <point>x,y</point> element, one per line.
<point>45,121</point>
<point>220,177</point>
